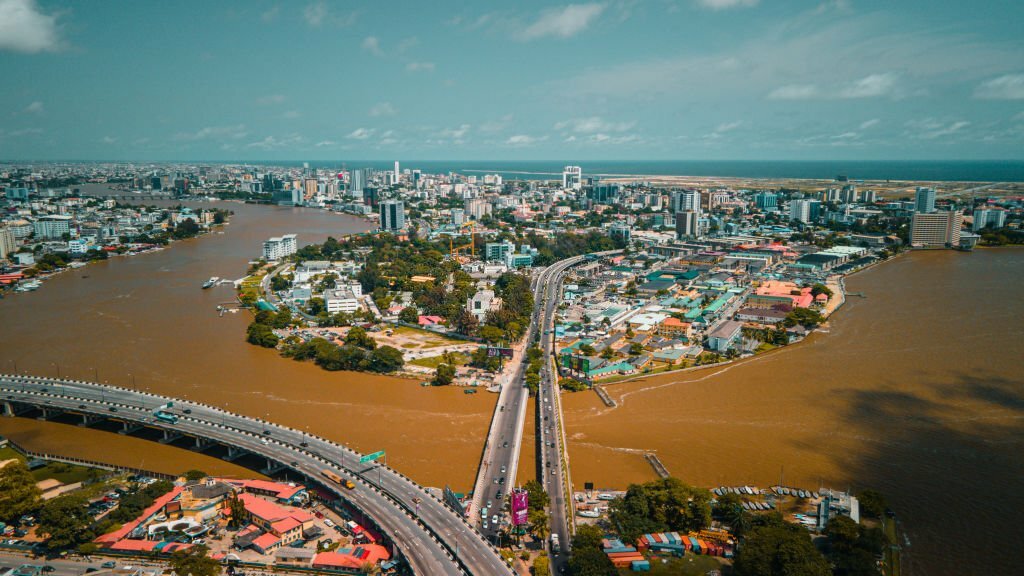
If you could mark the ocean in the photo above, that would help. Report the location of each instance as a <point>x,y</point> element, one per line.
<point>931,170</point>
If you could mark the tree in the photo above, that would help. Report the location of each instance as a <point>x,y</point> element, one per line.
<point>492,334</point>
<point>409,315</point>
<point>187,228</point>
<point>65,521</point>
<point>444,375</point>
<point>588,558</point>
<point>774,547</point>
<point>542,566</point>
<point>872,502</point>
<point>236,507</point>
<point>607,353</point>
<point>821,289</point>
<point>587,350</point>
<point>18,492</point>
<point>194,562</point>
<point>538,520</point>
<point>358,337</point>
<point>537,497</point>
<point>466,323</point>
<point>636,349</point>
<point>386,359</point>
<point>261,335</point>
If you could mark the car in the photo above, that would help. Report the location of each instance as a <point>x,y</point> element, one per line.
<point>264,441</point>
<point>329,523</point>
<point>113,408</point>
<point>80,406</point>
<point>187,410</point>
<point>494,519</point>
<point>552,471</point>
<point>501,480</point>
<point>109,564</point>
<point>502,469</point>
<point>497,495</point>
<point>495,480</point>
<point>90,570</point>
<point>505,445</point>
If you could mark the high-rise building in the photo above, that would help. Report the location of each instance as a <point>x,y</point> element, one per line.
<point>52,227</point>
<point>309,186</point>
<point>936,229</point>
<point>924,200</point>
<point>356,182</point>
<point>477,208</point>
<point>604,193</point>
<point>804,210</point>
<point>988,218</point>
<point>398,173</point>
<point>767,201</point>
<point>572,178</point>
<point>280,247</point>
<point>621,232</point>
<point>7,244</point>
<point>683,200</point>
<point>458,216</point>
<point>497,251</point>
<point>687,224</point>
<point>392,215</point>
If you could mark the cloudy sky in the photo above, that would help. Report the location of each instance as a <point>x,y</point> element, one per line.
<point>620,79</point>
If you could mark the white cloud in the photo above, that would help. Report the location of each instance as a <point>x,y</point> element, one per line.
<point>794,92</point>
<point>593,124</point>
<point>214,132</point>
<point>270,142</point>
<point>383,109</point>
<point>563,22</point>
<point>315,13</point>
<point>602,138</point>
<point>725,4</point>
<point>372,45</point>
<point>1008,87</point>
<point>26,132</point>
<point>108,140</point>
<point>291,114</point>
<point>24,28</point>
<point>420,66</point>
<point>728,126</point>
<point>869,123</point>
<point>270,99</point>
<point>497,125</point>
<point>271,14</point>
<point>869,86</point>
<point>931,129</point>
<point>361,133</point>
<point>35,108</point>
<point>326,143</point>
<point>456,133</point>
<point>523,140</point>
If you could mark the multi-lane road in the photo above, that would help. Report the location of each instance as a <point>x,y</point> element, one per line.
<point>432,538</point>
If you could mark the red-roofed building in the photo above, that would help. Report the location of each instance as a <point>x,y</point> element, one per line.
<point>430,320</point>
<point>675,328</point>
<point>774,292</point>
<point>289,493</point>
<point>281,525</point>
<point>353,557</point>
<point>157,507</point>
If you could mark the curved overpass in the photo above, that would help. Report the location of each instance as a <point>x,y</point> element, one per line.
<point>430,536</point>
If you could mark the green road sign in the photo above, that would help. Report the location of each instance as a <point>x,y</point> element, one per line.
<point>371,457</point>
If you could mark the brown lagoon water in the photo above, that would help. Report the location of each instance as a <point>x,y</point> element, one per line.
<point>917,391</point>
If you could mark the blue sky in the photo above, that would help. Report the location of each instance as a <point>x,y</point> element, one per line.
<point>621,79</point>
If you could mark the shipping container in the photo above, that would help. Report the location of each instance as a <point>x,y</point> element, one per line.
<point>641,566</point>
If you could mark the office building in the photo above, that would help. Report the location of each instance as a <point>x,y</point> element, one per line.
<point>683,200</point>
<point>604,193</point>
<point>18,194</point>
<point>767,201</point>
<point>849,195</point>
<point>804,210</point>
<point>572,178</point>
<point>988,218</point>
<point>356,182</point>
<point>398,173</point>
<point>52,227</point>
<point>458,216</point>
<point>924,200</point>
<point>687,224</point>
<point>280,247</point>
<point>620,232</point>
<point>936,229</point>
<point>477,208</point>
<point>497,251</point>
<point>341,300</point>
<point>392,215</point>
<point>309,187</point>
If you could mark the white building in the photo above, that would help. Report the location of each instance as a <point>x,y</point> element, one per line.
<point>341,300</point>
<point>7,243</point>
<point>572,178</point>
<point>936,229</point>
<point>52,227</point>
<point>278,248</point>
<point>481,303</point>
<point>924,200</point>
<point>987,218</point>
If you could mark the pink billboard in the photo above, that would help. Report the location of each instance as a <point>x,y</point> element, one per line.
<point>520,505</point>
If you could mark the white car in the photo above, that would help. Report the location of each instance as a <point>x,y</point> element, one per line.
<point>494,519</point>
<point>329,522</point>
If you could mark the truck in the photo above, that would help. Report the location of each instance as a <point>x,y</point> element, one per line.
<point>555,548</point>
<point>337,479</point>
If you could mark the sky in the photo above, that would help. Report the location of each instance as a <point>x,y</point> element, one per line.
<point>612,80</point>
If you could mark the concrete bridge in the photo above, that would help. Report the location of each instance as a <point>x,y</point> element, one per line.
<point>429,536</point>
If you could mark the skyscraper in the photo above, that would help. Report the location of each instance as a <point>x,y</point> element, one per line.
<point>936,229</point>
<point>924,200</point>
<point>398,173</point>
<point>804,210</point>
<point>687,224</point>
<point>572,178</point>
<point>988,218</point>
<point>392,215</point>
<point>356,182</point>
<point>683,200</point>
<point>767,201</point>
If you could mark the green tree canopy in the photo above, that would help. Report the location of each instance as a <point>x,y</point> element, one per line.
<point>65,521</point>
<point>194,562</point>
<point>18,492</point>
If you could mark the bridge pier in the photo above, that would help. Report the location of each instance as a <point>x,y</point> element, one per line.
<point>49,413</point>
<point>89,420</point>
<point>201,444</point>
<point>10,409</point>
<point>169,437</point>
<point>129,428</point>
<point>271,468</point>
<point>234,454</point>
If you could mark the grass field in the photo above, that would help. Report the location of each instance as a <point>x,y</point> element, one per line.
<point>63,473</point>
<point>434,361</point>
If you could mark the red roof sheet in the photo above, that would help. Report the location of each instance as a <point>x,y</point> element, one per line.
<point>127,528</point>
<point>265,541</point>
<point>354,558</point>
<point>282,491</point>
<point>134,545</point>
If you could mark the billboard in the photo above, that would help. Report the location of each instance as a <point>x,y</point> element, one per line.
<point>576,363</point>
<point>493,352</point>
<point>520,505</point>
<point>453,501</point>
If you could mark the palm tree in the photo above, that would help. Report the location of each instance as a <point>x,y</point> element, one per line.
<point>539,525</point>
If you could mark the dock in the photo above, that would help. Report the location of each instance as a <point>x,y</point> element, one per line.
<point>655,463</point>
<point>605,397</point>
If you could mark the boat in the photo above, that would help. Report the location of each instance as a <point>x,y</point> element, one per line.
<point>588,513</point>
<point>606,496</point>
<point>213,280</point>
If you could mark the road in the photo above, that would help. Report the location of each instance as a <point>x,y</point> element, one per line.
<point>432,538</point>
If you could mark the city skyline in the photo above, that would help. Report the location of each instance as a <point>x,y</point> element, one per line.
<point>700,79</point>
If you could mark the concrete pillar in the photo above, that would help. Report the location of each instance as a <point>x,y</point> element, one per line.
<point>234,454</point>
<point>8,409</point>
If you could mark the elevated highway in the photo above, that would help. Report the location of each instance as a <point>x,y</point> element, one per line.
<point>431,537</point>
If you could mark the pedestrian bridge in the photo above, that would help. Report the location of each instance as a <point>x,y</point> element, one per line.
<point>429,536</point>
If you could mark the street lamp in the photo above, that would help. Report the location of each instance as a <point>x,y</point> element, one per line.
<point>131,377</point>
<point>95,375</point>
<point>58,369</point>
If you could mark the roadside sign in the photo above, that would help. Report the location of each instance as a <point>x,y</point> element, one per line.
<point>371,457</point>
